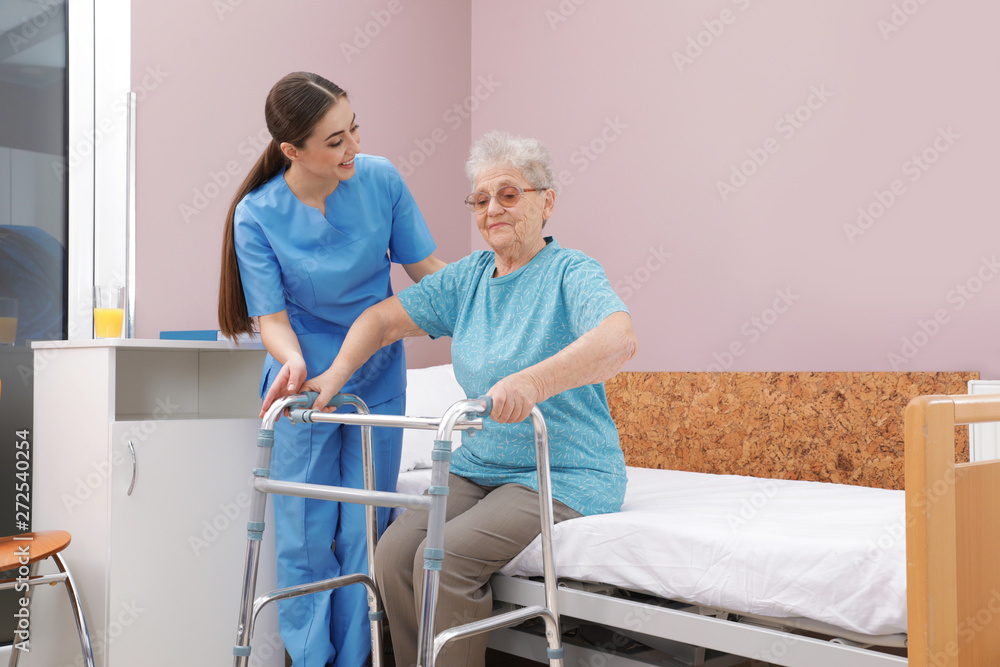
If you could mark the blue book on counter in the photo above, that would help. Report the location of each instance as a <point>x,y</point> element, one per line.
<point>191,334</point>
<point>207,334</point>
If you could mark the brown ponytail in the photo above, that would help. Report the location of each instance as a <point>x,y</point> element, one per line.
<point>293,108</point>
<point>234,318</point>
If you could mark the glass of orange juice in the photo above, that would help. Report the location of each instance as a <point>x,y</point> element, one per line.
<point>109,311</point>
<point>8,320</point>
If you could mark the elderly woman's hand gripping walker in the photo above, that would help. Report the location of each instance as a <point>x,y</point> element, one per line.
<point>532,324</point>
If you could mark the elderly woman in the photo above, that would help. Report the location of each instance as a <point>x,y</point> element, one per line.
<point>531,323</point>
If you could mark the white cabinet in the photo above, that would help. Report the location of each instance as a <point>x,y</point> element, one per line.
<point>159,537</point>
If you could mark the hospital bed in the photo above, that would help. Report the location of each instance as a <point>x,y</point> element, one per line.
<point>813,557</point>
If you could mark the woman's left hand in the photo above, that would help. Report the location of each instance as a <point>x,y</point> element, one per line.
<point>513,398</point>
<point>286,382</point>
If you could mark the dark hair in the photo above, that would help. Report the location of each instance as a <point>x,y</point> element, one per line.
<point>293,108</point>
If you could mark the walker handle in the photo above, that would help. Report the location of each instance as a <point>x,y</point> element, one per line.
<point>311,396</point>
<point>489,405</point>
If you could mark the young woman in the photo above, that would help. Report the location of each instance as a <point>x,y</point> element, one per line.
<point>308,242</point>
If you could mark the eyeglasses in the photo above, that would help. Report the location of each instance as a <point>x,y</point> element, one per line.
<point>506,196</point>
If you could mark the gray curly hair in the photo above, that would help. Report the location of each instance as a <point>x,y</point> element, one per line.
<point>528,156</point>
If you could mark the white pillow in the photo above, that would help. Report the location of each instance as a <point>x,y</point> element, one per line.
<point>429,392</point>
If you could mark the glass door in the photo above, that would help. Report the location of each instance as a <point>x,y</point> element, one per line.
<point>33,237</point>
<point>33,171</point>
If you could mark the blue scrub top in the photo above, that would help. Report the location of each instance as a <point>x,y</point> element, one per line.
<point>500,326</point>
<point>325,270</point>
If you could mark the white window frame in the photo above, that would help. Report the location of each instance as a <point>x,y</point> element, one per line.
<point>100,178</point>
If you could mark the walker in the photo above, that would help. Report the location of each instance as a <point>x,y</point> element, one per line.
<point>463,415</point>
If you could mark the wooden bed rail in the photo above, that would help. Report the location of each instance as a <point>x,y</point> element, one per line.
<point>952,537</point>
<point>975,409</point>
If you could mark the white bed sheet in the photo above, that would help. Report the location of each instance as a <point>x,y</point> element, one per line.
<point>830,552</point>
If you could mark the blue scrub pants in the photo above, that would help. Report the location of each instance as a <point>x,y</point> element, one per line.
<point>319,539</point>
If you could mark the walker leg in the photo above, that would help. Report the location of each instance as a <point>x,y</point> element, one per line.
<point>378,648</point>
<point>425,628</point>
<point>375,611</point>
<point>552,631</point>
<point>554,637</point>
<point>255,532</point>
<point>430,644</point>
<point>241,651</point>
<point>434,551</point>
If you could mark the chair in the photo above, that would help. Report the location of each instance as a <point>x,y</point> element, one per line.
<point>23,553</point>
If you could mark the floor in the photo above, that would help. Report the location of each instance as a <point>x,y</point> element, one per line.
<point>497,659</point>
<point>503,660</point>
<point>493,659</point>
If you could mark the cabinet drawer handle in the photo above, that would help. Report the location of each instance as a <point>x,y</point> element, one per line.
<point>131,485</point>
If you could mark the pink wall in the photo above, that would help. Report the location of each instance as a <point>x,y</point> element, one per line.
<point>645,137</point>
<point>648,108</point>
<point>403,63</point>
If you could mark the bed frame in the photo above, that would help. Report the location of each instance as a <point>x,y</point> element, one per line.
<point>952,538</point>
<point>835,427</point>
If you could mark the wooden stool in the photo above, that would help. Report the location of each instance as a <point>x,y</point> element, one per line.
<point>24,552</point>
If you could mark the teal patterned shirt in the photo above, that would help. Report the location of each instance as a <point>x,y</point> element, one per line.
<point>502,325</point>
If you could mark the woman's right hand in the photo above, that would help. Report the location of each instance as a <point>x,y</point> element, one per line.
<point>327,386</point>
<point>286,383</point>
<point>514,397</point>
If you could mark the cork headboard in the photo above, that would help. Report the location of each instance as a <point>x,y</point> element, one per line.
<point>830,427</point>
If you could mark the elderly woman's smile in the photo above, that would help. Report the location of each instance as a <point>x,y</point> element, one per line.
<point>512,230</point>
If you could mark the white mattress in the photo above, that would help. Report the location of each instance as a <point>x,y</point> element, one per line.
<point>778,548</point>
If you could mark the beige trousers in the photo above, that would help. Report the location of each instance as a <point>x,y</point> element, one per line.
<point>486,527</point>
